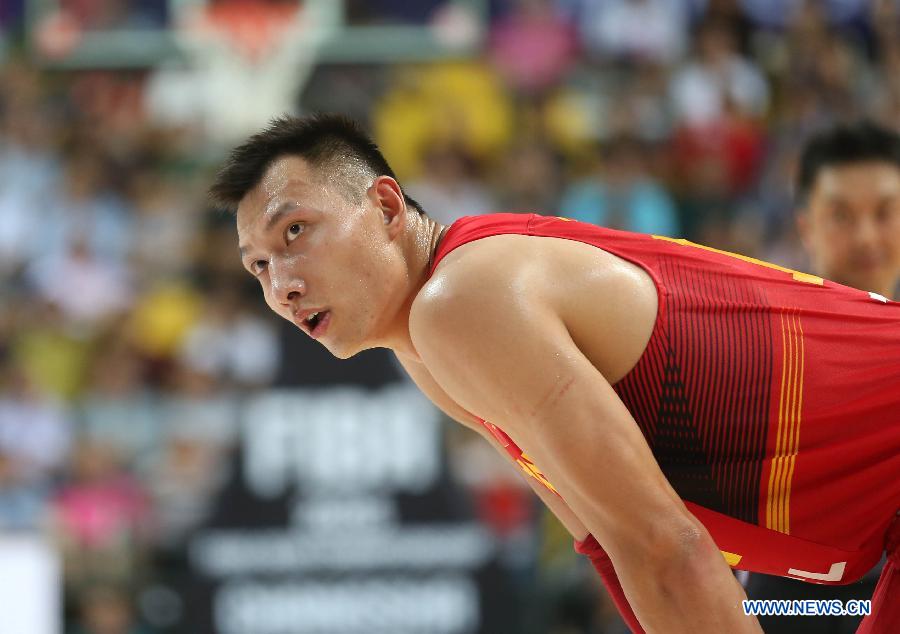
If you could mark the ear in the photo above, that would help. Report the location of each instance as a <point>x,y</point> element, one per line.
<point>387,197</point>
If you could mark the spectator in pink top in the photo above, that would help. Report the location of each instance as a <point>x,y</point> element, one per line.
<point>101,517</point>
<point>532,47</point>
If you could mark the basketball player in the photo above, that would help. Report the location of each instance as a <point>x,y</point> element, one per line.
<point>688,409</point>
<point>848,199</point>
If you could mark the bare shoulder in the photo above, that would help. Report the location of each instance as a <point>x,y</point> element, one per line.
<point>607,305</point>
<point>487,272</point>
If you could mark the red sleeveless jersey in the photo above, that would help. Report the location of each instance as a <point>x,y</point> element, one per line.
<point>769,397</point>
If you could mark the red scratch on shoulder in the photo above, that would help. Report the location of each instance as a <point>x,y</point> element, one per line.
<point>552,396</point>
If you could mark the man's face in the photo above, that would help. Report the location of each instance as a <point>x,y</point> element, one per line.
<point>313,249</point>
<point>851,225</point>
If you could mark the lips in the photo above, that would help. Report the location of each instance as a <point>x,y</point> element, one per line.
<point>316,329</point>
<point>322,325</point>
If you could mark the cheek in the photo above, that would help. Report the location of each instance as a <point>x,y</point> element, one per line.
<point>368,266</point>
<point>890,233</point>
<point>268,299</point>
<point>837,250</point>
<point>366,293</point>
<point>826,241</point>
<point>829,250</point>
<point>366,290</point>
<point>890,245</point>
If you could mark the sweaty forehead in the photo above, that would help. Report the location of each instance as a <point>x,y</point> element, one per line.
<point>288,175</point>
<point>858,181</point>
<point>289,178</point>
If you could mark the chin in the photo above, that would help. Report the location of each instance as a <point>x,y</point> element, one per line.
<point>867,283</point>
<point>344,352</point>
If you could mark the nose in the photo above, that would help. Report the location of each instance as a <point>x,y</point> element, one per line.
<point>287,286</point>
<point>867,233</point>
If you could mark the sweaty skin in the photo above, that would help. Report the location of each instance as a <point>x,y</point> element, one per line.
<point>508,327</point>
<point>498,328</point>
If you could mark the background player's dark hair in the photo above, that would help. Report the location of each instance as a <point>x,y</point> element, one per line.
<point>845,144</point>
<point>332,144</point>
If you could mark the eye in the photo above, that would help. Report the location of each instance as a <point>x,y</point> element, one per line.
<point>294,230</point>
<point>257,266</point>
<point>841,216</point>
<point>886,213</point>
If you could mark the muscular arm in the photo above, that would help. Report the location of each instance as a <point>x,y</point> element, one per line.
<point>494,341</point>
<point>599,559</point>
<point>420,375</point>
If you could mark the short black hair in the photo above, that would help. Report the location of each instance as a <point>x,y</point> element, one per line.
<point>860,142</point>
<point>328,142</point>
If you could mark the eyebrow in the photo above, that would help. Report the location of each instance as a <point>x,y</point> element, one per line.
<point>273,219</point>
<point>882,197</point>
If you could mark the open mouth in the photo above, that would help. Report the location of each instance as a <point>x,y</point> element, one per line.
<point>316,323</point>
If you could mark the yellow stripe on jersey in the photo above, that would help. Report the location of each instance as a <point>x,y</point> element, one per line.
<point>795,440</point>
<point>787,439</point>
<point>774,467</point>
<point>797,275</point>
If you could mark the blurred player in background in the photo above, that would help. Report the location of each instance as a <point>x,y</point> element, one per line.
<point>685,407</point>
<point>848,198</point>
<point>848,191</point>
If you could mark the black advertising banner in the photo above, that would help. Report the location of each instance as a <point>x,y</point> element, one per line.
<point>341,519</point>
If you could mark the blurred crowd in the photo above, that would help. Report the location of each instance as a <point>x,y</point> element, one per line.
<point>126,321</point>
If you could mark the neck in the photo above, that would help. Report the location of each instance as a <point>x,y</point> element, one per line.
<point>423,239</point>
<point>425,236</point>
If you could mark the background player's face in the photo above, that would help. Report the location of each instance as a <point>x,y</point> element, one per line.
<point>851,225</point>
<point>311,247</point>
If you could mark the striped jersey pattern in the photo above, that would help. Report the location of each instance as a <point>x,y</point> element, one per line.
<point>700,393</point>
